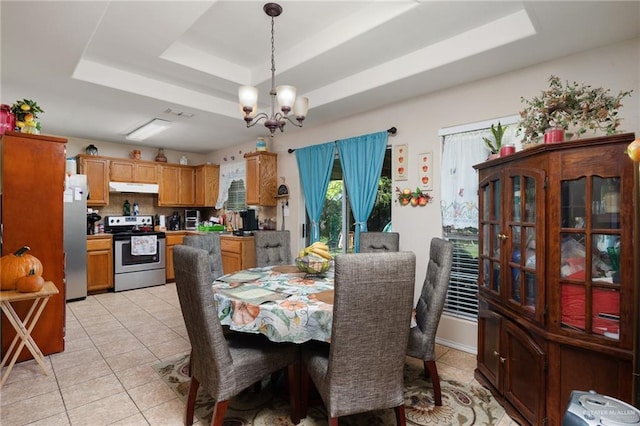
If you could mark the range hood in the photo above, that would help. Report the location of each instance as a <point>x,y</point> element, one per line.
<point>140,188</point>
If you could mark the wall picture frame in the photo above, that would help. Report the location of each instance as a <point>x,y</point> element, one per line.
<point>400,162</point>
<point>425,170</point>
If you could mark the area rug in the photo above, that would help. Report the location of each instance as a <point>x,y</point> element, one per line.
<point>462,404</point>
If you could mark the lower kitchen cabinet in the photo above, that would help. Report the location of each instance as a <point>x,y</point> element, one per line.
<point>237,253</point>
<point>99,264</point>
<point>172,240</point>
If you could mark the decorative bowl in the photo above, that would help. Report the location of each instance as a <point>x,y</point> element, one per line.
<point>313,265</point>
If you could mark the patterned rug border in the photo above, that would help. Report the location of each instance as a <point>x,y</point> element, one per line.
<point>462,404</point>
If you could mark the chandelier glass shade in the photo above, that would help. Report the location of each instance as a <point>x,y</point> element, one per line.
<point>285,96</point>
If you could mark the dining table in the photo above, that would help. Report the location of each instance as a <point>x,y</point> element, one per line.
<point>280,302</point>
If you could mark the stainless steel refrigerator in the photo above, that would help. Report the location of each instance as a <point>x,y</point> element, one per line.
<point>75,236</point>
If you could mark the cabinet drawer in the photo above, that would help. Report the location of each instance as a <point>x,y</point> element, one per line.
<point>99,244</point>
<point>233,246</point>
<point>174,239</point>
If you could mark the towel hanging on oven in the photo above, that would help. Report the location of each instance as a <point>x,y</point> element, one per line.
<point>144,245</point>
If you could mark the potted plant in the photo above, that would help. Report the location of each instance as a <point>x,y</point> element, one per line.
<point>495,144</point>
<point>26,114</point>
<point>575,107</point>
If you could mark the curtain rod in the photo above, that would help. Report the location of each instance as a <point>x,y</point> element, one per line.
<point>391,131</point>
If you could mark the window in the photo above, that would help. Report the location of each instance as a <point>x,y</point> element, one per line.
<point>237,196</point>
<point>336,221</point>
<point>462,148</point>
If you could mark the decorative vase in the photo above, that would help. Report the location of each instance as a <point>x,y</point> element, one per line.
<point>161,157</point>
<point>7,119</point>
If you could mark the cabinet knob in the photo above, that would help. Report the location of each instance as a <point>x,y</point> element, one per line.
<point>502,360</point>
<point>495,353</point>
<point>502,236</point>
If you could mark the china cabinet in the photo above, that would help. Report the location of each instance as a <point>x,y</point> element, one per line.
<point>261,171</point>
<point>31,213</point>
<point>558,268</point>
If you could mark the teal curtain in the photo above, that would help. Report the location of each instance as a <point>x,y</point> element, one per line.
<point>361,159</point>
<point>314,166</point>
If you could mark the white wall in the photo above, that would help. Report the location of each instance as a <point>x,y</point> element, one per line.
<point>616,67</point>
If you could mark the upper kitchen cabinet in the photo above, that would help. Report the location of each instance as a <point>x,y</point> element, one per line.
<point>133,171</point>
<point>207,181</point>
<point>177,186</point>
<point>558,275</point>
<point>97,171</point>
<point>262,168</point>
<point>32,174</point>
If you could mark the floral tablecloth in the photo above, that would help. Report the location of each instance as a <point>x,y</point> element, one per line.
<point>284,306</point>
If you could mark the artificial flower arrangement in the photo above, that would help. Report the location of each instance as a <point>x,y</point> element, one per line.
<point>26,113</point>
<point>415,198</point>
<point>574,106</point>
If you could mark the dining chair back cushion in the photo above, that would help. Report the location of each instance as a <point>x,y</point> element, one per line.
<point>431,302</point>
<point>379,241</point>
<point>272,248</point>
<point>224,365</point>
<point>211,243</point>
<point>362,370</point>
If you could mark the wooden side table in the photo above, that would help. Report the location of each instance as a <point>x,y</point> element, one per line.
<point>23,328</point>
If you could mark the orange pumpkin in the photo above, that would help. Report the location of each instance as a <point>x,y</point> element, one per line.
<point>16,265</point>
<point>30,283</point>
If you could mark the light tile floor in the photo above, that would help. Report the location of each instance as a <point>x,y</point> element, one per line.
<point>104,376</point>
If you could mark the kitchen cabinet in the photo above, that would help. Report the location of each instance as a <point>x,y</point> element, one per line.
<point>133,171</point>
<point>99,263</point>
<point>261,173</point>
<point>556,287</point>
<point>237,253</point>
<point>177,186</point>
<point>172,240</point>
<point>32,173</point>
<point>97,171</point>
<point>206,185</point>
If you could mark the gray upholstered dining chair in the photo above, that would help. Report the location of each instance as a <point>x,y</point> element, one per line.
<point>379,241</point>
<point>362,369</point>
<point>422,338</point>
<point>272,248</point>
<point>211,243</point>
<point>224,364</point>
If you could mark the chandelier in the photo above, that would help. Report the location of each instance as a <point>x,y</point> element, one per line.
<point>285,95</point>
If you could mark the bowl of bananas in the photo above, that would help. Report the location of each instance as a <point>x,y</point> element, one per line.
<point>314,259</point>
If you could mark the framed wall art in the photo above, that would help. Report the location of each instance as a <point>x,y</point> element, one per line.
<point>425,167</point>
<point>400,171</point>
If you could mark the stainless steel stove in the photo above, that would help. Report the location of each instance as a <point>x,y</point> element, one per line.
<point>138,252</point>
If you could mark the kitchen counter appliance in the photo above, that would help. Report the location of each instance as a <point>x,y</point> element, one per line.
<point>138,252</point>
<point>191,219</point>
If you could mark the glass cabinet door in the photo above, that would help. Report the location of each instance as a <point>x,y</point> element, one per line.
<point>490,216</point>
<point>524,194</point>
<point>590,252</point>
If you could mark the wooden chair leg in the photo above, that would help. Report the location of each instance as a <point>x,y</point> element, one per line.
<point>293,373</point>
<point>430,366</point>
<point>218,412</point>
<point>191,402</point>
<point>304,390</point>
<point>401,419</point>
